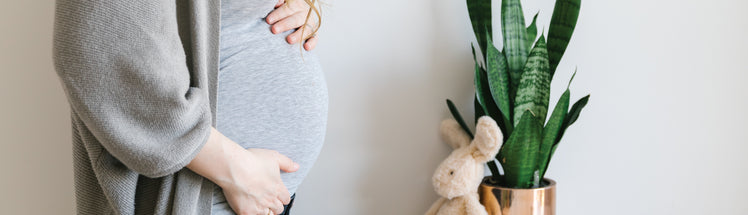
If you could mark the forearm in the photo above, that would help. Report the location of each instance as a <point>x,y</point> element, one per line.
<point>215,158</point>
<point>250,178</point>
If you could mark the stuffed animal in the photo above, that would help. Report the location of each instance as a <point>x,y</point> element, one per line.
<point>457,178</point>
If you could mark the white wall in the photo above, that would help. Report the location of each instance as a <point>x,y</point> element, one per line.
<point>664,132</point>
<point>36,163</point>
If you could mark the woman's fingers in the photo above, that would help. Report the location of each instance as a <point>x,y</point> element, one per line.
<point>283,195</point>
<point>296,36</point>
<point>311,43</point>
<point>279,13</point>
<point>291,22</point>
<point>257,187</point>
<point>286,164</point>
<point>276,207</point>
<point>286,10</point>
<point>289,15</point>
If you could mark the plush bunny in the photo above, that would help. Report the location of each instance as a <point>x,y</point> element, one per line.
<point>457,178</point>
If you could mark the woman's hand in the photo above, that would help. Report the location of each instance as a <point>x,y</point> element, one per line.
<point>250,178</point>
<point>291,15</point>
<point>255,185</point>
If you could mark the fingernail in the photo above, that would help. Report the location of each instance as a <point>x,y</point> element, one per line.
<point>292,40</point>
<point>295,165</point>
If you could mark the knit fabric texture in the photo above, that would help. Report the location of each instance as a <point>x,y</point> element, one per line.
<point>140,78</point>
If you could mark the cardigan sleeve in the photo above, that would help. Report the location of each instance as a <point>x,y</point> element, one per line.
<point>125,74</point>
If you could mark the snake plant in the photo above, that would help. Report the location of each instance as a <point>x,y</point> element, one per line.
<point>513,87</point>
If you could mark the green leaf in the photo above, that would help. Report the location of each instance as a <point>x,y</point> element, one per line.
<point>534,88</point>
<point>576,109</point>
<point>574,112</point>
<point>563,21</point>
<point>478,109</point>
<point>458,117</point>
<point>551,130</point>
<point>553,150</point>
<point>532,31</point>
<point>485,101</point>
<point>480,16</point>
<point>479,75</point>
<point>518,156</point>
<point>498,81</point>
<point>515,39</point>
<point>494,170</point>
<point>570,119</point>
<point>473,49</point>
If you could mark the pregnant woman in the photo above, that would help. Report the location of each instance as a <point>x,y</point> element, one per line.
<point>190,107</point>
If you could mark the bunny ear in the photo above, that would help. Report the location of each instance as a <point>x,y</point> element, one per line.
<point>488,140</point>
<point>453,134</point>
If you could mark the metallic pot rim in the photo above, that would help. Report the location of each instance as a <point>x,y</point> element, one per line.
<point>551,184</point>
<point>518,201</point>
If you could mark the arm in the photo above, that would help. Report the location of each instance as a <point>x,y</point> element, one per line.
<point>250,179</point>
<point>124,71</point>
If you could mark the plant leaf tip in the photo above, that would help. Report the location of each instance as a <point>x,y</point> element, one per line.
<point>572,77</point>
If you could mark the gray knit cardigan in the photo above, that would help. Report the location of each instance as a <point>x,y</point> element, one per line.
<point>140,77</point>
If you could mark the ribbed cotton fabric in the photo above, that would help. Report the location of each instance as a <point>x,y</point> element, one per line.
<point>271,94</point>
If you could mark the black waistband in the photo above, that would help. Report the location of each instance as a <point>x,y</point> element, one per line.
<point>287,207</point>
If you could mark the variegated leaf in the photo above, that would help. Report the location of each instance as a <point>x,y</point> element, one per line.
<point>563,22</point>
<point>532,31</point>
<point>515,39</point>
<point>480,16</point>
<point>534,88</point>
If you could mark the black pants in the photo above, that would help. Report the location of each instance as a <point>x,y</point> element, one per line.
<point>222,207</point>
<point>287,208</point>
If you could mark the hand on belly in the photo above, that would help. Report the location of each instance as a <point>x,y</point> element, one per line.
<point>291,16</point>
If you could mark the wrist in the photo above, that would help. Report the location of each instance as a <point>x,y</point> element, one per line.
<point>215,159</point>
<point>231,156</point>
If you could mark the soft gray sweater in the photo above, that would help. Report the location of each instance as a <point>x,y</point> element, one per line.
<point>140,77</point>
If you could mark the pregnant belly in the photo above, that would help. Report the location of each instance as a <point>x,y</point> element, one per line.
<point>270,105</point>
<point>267,86</point>
<point>270,96</point>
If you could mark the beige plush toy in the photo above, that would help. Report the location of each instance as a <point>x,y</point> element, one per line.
<point>457,178</point>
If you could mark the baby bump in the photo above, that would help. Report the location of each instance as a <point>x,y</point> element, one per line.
<point>277,103</point>
<point>271,95</point>
<point>274,103</point>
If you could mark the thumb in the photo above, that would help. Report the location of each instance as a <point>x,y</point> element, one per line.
<point>286,164</point>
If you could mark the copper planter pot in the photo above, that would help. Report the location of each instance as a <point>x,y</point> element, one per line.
<point>511,201</point>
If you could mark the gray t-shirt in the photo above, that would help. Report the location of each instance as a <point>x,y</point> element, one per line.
<point>269,96</point>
